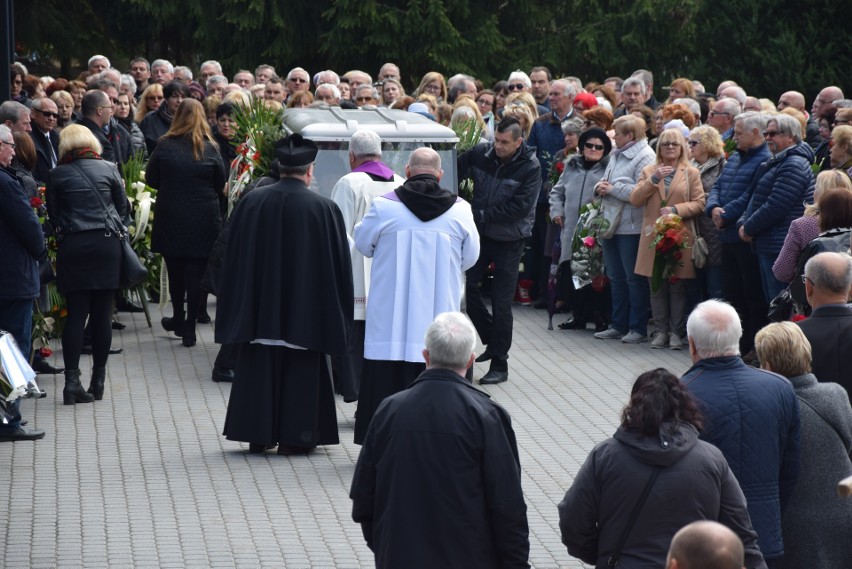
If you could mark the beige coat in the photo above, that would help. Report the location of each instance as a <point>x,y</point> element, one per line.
<point>688,204</point>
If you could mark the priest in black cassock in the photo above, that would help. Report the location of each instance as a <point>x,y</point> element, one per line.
<point>286,298</point>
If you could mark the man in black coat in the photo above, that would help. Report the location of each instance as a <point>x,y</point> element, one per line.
<point>438,481</point>
<point>97,112</point>
<point>286,298</point>
<point>828,279</point>
<point>45,138</point>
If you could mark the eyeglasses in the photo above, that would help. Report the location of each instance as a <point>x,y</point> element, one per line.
<point>770,133</point>
<point>806,279</point>
<point>12,144</point>
<point>48,114</point>
<point>298,80</point>
<point>693,142</point>
<point>363,99</point>
<point>591,146</point>
<point>714,113</point>
<point>516,87</point>
<point>669,144</point>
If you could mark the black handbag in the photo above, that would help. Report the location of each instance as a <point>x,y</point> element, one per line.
<point>132,272</point>
<point>46,274</point>
<point>781,307</point>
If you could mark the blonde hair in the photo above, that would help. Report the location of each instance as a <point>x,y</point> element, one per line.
<point>526,99</point>
<point>842,135</point>
<point>152,90</point>
<point>630,124</point>
<point>799,116</point>
<point>785,348</point>
<point>470,104</point>
<point>237,97</point>
<point>430,101</point>
<point>76,136</point>
<point>521,112</point>
<point>428,78</point>
<point>63,96</point>
<point>190,122</point>
<point>710,138</point>
<point>672,134</point>
<point>825,180</point>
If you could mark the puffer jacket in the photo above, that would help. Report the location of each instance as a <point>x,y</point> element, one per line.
<point>695,483</point>
<point>21,240</point>
<point>781,186</point>
<point>71,201</point>
<point>575,188</point>
<point>731,190</point>
<point>752,416</point>
<point>623,172</point>
<point>504,193</point>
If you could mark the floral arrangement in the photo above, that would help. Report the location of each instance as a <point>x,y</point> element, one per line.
<point>143,197</point>
<point>670,239</point>
<point>587,264</point>
<point>730,146</point>
<point>49,313</point>
<point>258,127</point>
<point>556,169</point>
<point>470,133</point>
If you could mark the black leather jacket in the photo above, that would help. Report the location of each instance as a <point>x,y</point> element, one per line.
<point>72,203</point>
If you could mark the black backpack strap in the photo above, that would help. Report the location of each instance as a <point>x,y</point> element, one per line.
<point>625,533</point>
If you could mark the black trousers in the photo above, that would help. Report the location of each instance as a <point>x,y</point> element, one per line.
<point>97,306</point>
<point>495,327</point>
<point>743,288</point>
<point>185,280</point>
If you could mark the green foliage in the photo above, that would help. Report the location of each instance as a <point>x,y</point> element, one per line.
<point>262,127</point>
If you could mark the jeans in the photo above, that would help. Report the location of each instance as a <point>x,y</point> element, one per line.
<point>631,294</point>
<point>495,328</point>
<point>743,288</point>
<point>16,317</point>
<point>771,285</point>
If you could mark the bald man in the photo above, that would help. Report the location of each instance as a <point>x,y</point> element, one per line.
<point>795,100</point>
<point>706,545</point>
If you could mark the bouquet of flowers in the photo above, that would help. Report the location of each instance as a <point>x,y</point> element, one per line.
<point>49,312</point>
<point>670,239</point>
<point>143,197</point>
<point>258,127</point>
<point>587,266</point>
<point>556,170</point>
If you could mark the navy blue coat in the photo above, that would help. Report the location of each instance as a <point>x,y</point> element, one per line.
<point>547,137</point>
<point>752,416</point>
<point>781,186</point>
<point>21,241</point>
<point>731,190</point>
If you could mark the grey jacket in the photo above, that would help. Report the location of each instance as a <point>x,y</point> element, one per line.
<point>575,188</point>
<point>622,172</point>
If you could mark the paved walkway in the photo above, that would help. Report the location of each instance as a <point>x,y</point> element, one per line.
<point>145,479</point>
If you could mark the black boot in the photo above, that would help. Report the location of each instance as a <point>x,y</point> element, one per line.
<point>96,388</point>
<point>188,334</point>
<point>74,392</point>
<point>174,324</point>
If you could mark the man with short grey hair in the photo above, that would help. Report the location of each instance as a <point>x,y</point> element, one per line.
<point>354,194</point>
<point>328,94</point>
<point>98,63</point>
<point>389,71</point>
<point>751,415</point>
<point>45,138</point>
<point>162,71</point>
<point>722,117</point>
<point>648,79</point>
<point>298,80</point>
<point>183,73</point>
<point>442,489</point>
<point>366,95</point>
<point>737,93</point>
<point>632,96</point>
<point>421,238</point>
<point>216,86</point>
<point>244,78</point>
<point>16,116</point>
<point>328,77</point>
<point>828,279</point>
<point>264,73</point>
<point>208,69</point>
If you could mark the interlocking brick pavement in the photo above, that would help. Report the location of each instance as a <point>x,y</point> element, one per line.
<point>145,479</point>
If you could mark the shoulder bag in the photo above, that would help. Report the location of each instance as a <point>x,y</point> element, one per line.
<point>700,250</point>
<point>614,558</point>
<point>133,272</point>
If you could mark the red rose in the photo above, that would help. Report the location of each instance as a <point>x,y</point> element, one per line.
<point>678,255</point>
<point>45,352</point>
<point>560,166</point>
<point>673,280</point>
<point>36,202</point>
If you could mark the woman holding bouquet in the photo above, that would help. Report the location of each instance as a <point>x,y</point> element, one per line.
<point>670,189</point>
<point>575,189</point>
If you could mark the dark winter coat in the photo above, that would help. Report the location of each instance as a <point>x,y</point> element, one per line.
<point>816,522</point>
<point>782,185</point>
<point>695,483</point>
<point>547,138</point>
<point>504,193</point>
<point>46,152</point>
<point>155,125</point>
<point>21,241</point>
<point>186,214</point>
<point>72,203</point>
<point>732,189</point>
<point>829,330</point>
<point>438,481</point>
<point>752,416</point>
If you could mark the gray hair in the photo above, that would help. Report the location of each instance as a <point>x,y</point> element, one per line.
<point>12,111</point>
<point>264,67</point>
<point>94,58</point>
<point>633,82</point>
<point>329,77</point>
<point>575,81</point>
<point>335,92</point>
<point>752,120</point>
<point>214,63</point>
<point>40,102</point>
<point>519,75</point>
<point>127,79</point>
<point>824,274</point>
<point>691,104</point>
<point>715,329</point>
<point>184,69</point>
<point>365,143</point>
<point>646,76</point>
<point>216,80</point>
<point>728,105</point>
<point>5,132</point>
<point>574,124</point>
<point>374,93</point>
<point>737,93</point>
<point>787,125</point>
<point>163,63</point>
<point>295,69</point>
<point>568,88</point>
<point>450,340</point>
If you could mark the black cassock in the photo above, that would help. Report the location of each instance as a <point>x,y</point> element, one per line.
<point>287,276</point>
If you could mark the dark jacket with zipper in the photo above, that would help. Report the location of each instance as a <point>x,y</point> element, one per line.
<point>21,240</point>
<point>72,203</point>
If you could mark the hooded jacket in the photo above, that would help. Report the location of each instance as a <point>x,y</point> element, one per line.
<point>695,483</point>
<point>504,193</point>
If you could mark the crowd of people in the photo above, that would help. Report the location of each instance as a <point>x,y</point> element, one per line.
<point>571,183</point>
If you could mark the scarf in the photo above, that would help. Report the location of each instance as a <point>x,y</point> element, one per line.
<point>79,153</point>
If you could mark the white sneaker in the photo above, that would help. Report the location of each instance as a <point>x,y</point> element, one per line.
<point>675,343</point>
<point>634,338</point>
<point>608,334</point>
<point>660,341</point>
